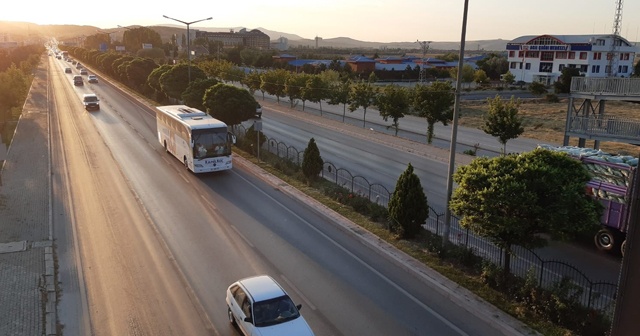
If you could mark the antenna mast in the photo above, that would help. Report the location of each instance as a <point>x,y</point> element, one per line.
<point>615,43</point>
<point>423,68</point>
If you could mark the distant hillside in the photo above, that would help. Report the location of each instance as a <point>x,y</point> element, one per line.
<point>21,31</point>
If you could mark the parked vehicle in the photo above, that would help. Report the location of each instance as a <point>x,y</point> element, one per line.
<point>612,184</point>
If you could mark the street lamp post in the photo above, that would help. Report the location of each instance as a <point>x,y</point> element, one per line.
<point>188,39</point>
<point>454,128</point>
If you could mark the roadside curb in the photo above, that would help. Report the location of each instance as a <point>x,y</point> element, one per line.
<point>456,293</point>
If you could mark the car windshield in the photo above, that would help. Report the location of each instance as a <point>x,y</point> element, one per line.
<point>90,98</point>
<point>210,143</point>
<point>274,311</point>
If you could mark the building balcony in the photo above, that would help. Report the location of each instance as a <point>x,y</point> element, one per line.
<point>607,88</point>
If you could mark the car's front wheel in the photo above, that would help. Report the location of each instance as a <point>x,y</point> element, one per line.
<point>232,319</point>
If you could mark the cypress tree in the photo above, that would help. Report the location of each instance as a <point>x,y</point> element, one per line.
<point>312,162</point>
<point>408,207</point>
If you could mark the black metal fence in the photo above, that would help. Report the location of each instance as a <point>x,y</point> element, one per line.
<point>595,295</point>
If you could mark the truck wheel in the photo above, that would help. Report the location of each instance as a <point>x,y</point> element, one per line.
<point>622,247</point>
<point>605,240</point>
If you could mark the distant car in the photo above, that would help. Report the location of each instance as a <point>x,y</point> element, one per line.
<point>67,70</point>
<point>92,79</point>
<point>83,72</point>
<point>73,62</point>
<point>78,65</point>
<point>258,110</point>
<point>91,101</point>
<point>78,81</point>
<point>260,306</point>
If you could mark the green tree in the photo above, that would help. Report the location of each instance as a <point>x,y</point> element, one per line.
<point>467,73</point>
<point>408,207</point>
<point>134,38</point>
<point>563,85</point>
<point>363,95</point>
<point>513,199</point>
<point>273,82</point>
<point>315,90</point>
<point>293,87</point>
<point>502,120</point>
<point>537,88</point>
<point>153,80</point>
<point>636,70</point>
<point>193,95</point>
<point>230,104</point>
<point>339,93</point>
<point>312,161</point>
<point>252,81</point>
<point>393,102</point>
<point>508,78</point>
<point>175,80</point>
<point>138,70</point>
<point>480,77</point>
<point>434,102</point>
<point>494,65</point>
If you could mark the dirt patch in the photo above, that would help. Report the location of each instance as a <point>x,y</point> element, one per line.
<point>546,121</point>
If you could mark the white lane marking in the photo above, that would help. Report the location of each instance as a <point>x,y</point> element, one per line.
<point>373,270</point>
<point>208,202</point>
<point>242,236</point>
<point>295,289</point>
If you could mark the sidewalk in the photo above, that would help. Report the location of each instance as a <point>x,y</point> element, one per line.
<point>27,292</point>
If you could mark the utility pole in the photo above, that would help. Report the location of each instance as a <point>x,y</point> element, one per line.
<point>423,69</point>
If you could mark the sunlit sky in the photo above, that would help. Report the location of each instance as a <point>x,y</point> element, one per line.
<point>370,20</point>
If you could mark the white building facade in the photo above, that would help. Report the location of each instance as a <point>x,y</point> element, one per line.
<point>541,58</point>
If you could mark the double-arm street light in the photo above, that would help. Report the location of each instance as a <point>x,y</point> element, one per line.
<point>188,39</point>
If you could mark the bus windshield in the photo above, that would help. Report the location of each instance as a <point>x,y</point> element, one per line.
<point>210,143</point>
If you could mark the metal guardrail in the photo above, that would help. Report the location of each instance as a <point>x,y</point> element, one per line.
<point>606,86</point>
<point>605,126</point>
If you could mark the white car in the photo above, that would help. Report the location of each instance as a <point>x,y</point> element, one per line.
<point>259,306</point>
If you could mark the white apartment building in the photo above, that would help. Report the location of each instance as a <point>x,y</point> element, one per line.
<point>541,58</point>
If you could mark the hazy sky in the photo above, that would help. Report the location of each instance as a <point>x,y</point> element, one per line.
<point>370,20</point>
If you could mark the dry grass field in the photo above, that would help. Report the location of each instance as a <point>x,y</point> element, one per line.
<point>546,121</point>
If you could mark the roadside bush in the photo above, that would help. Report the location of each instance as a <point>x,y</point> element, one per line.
<point>552,98</point>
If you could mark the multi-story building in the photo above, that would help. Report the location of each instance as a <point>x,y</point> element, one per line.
<point>542,58</point>
<point>251,39</point>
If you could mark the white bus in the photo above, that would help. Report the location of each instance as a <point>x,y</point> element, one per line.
<point>200,141</point>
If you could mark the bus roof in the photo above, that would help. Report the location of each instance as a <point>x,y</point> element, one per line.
<point>192,117</point>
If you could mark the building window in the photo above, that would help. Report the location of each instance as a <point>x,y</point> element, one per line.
<point>520,65</point>
<point>512,53</point>
<point>572,55</point>
<point>609,56</point>
<point>599,42</point>
<point>547,56</point>
<point>546,67</point>
<point>623,69</point>
<point>597,56</point>
<point>533,54</point>
<point>521,54</point>
<point>595,69</point>
<point>561,54</point>
<point>583,55</point>
<point>584,67</point>
<point>527,66</point>
<point>512,65</point>
<point>561,67</point>
<point>624,56</point>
